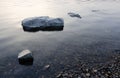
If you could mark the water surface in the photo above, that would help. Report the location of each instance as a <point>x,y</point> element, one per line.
<point>94,36</point>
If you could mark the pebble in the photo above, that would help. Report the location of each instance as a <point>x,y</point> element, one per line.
<point>79,77</point>
<point>46,67</point>
<point>59,75</point>
<point>87,74</point>
<point>95,70</point>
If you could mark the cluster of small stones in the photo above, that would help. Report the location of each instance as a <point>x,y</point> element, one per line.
<point>108,70</point>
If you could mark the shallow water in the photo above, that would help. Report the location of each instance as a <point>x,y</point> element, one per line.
<point>94,36</point>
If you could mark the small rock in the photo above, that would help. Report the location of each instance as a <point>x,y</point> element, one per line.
<point>87,74</point>
<point>87,70</point>
<point>25,57</point>
<point>79,77</point>
<point>65,75</point>
<point>95,70</point>
<point>59,75</point>
<point>74,15</point>
<point>46,67</point>
<point>95,10</point>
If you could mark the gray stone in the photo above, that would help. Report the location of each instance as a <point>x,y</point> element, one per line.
<point>95,10</point>
<point>44,23</point>
<point>71,14</point>
<point>25,57</point>
<point>88,74</point>
<point>46,67</point>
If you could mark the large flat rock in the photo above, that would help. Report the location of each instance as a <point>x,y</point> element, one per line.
<point>43,23</point>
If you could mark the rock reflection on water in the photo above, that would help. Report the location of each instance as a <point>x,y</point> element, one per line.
<point>44,29</point>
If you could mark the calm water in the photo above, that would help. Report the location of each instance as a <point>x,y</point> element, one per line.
<point>94,36</point>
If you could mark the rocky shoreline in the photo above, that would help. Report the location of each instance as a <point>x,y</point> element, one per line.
<point>110,69</point>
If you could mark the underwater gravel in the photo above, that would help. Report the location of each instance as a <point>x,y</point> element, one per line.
<point>110,69</point>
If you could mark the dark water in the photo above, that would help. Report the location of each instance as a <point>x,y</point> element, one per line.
<point>94,36</point>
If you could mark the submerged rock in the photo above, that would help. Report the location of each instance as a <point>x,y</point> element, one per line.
<point>95,10</point>
<point>59,76</point>
<point>46,67</point>
<point>74,15</point>
<point>44,23</point>
<point>25,57</point>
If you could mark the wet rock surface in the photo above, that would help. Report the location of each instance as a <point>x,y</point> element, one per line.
<point>43,23</point>
<point>25,57</point>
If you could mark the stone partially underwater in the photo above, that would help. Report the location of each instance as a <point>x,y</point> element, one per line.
<point>71,14</point>
<point>25,57</point>
<point>43,23</point>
